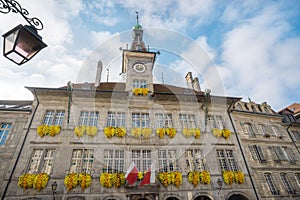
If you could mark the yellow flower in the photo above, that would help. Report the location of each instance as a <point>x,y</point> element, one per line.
<point>106,180</point>
<point>120,132</point>
<point>216,132</point>
<point>42,130</point>
<point>91,131</point>
<point>239,177</point>
<point>164,178</point>
<point>118,179</point>
<point>140,175</point>
<point>136,132</point>
<point>80,131</point>
<point>196,132</point>
<point>228,177</point>
<point>84,180</point>
<point>226,133</point>
<point>71,181</point>
<point>171,132</point>
<point>176,178</point>
<point>40,181</point>
<point>205,177</point>
<point>53,130</point>
<point>145,91</point>
<point>146,132</point>
<point>160,132</point>
<point>187,132</point>
<point>140,91</point>
<point>109,131</point>
<point>26,180</point>
<point>193,177</point>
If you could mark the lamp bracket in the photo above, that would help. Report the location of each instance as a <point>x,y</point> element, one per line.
<point>7,6</point>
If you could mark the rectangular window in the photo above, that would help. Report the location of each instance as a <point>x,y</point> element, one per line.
<point>113,161</point>
<point>257,153</point>
<point>278,153</point>
<point>292,158</point>
<point>249,129</point>
<point>187,121</point>
<point>194,160</point>
<point>142,159</point>
<point>53,117</point>
<point>216,121</point>
<point>82,161</point>
<point>296,136</point>
<point>4,131</point>
<point>116,119</point>
<point>271,184</point>
<point>167,160</point>
<point>226,160</point>
<point>277,132</point>
<point>287,184</point>
<point>41,161</point>
<point>137,83</point>
<point>140,120</point>
<point>88,118</point>
<point>164,120</point>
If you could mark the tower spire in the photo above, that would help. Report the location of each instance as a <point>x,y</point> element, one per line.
<point>137,36</point>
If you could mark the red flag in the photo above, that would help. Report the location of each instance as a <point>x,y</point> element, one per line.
<point>131,174</point>
<point>149,176</point>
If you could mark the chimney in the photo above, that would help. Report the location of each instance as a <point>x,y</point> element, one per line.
<point>98,74</point>
<point>189,80</point>
<point>196,84</point>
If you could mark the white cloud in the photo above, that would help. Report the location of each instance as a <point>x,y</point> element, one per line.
<point>259,57</point>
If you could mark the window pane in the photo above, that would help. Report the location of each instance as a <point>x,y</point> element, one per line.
<point>76,161</point>
<point>94,119</point>
<point>59,117</point>
<point>83,119</point>
<point>35,161</point>
<point>48,119</point>
<point>4,131</point>
<point>48,161</point>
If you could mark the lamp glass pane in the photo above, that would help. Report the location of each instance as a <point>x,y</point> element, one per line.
<point>15,57</point>
<point>9,41</point>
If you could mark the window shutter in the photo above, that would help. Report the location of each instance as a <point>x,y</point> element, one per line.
<point>261,154</point>
<point>290,154</point>
<point>280,153</point>
<point>273,153</point>
<point>253,153</point>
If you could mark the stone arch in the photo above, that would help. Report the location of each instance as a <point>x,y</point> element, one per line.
<point>202,197</point>
<point>112,197</point>
<point>76,198</point>
<point>172,197</point>
<point>237,196</point>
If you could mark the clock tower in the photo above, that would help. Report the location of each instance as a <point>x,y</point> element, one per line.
<point>138,62</point>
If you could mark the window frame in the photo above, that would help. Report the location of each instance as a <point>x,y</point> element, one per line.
<point>189,121</point>
<point>116,119</point>
<point>226,161</point>
<point>115,163</point>
<point>141,158</point>
<point>271,184</point>
<point>57,118</point>
<point>4,132</point>
<point>287,184</point>
<point>166,162</point>
<point>139,83</point>
<point>87,168</point>
<point>192,162</point>
<point>41,161</point>
<point>90,118</point>
<point>164,120</point>
<point>142,121</point>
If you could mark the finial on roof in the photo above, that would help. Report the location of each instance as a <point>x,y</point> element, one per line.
<point>137,17</point>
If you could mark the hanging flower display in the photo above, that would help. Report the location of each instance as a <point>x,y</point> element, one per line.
<point>112,179</point>
<point>164,178</point>
<point>239,177</point>
<point>140,175</point>
<point>84,180</point>
<point>194,177</point>
<point>226,133</point>
<point>106,180</point>
<point>146,132</point>
<point>160,132</point>
<point>40,181</point>
<point>187,132</point>
<point>71,181</point>
<point>80,131</point>
<point>196,132</point>
<point>91,131</point>
<point>176,178</point>
<point>136,132</point>
<point>204,177</point>
<point>120,132</point>
<point>26,181</point>
<point>171,132</point>
<point>118,179</point>
<point>140,91</point>
<point>109,131</point>
<point>216,132</point>
<point>45,129</point>
<point>228,177</point>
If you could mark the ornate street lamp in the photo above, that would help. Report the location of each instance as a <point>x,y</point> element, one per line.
<point>22,42</point>
<point>54,187</point>
<point>220,184</point>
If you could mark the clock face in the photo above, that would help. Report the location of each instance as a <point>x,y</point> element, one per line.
<point>139,67</point>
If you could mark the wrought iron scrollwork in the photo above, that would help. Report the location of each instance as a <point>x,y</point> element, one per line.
<point>7,6</point>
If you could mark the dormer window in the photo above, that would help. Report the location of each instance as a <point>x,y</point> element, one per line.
<point>139,83</point>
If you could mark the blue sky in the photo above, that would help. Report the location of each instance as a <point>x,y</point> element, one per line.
<point>236,48</point>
